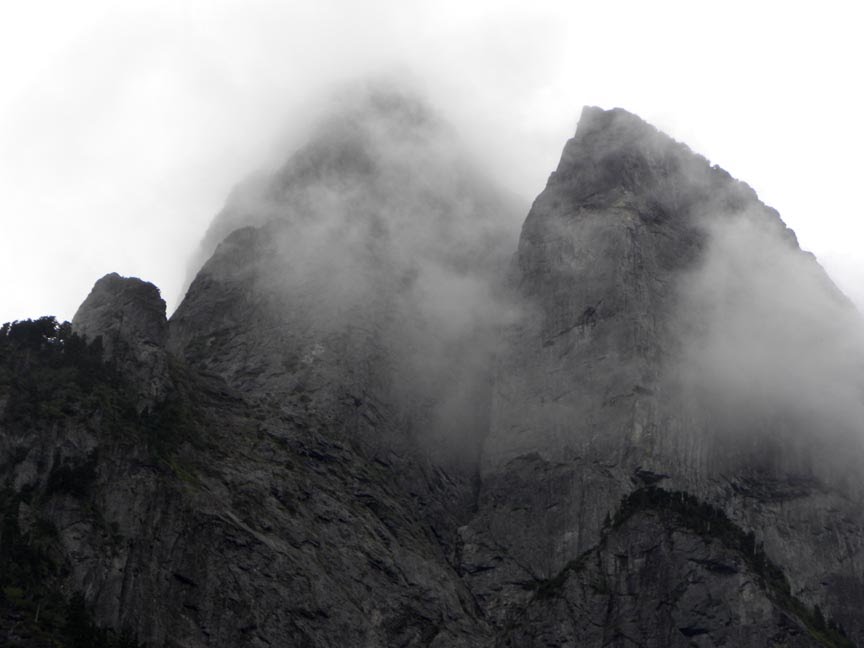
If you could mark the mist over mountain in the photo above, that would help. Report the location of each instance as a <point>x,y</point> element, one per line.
<point>376,256</point>
<point>384,416</point>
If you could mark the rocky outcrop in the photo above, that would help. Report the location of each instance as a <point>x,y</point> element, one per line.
<point>640,263</point>
<point>128,316</point>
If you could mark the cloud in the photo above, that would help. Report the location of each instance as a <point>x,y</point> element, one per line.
<point>382,226</point>
<point>771,350</point>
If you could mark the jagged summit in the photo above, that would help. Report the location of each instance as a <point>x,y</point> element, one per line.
<point>617,158</point>
<point>625,123</point>
<point>618,128</point>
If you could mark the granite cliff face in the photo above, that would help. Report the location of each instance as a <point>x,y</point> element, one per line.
<point>651,357</point>
<point>369,423</point>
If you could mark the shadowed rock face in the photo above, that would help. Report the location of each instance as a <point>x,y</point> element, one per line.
<point>652,582</point>
<point>369,423</point>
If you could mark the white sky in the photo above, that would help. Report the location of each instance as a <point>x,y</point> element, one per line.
<point>124,125</point>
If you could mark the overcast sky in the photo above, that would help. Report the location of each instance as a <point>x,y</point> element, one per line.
<point>124,125</point>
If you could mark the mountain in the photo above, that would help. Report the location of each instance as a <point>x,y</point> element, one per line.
<point>381,416</point>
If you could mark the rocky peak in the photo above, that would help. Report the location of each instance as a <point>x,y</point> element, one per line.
<point>618,129</point>
<point>123,309</point>
<point>617,159</point>
<point>604,136</point>
<point>128,314</point>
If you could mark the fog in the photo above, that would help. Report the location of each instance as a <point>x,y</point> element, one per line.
<point>771,347</point>
<point>123,128</point>
<point>376,259</point>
